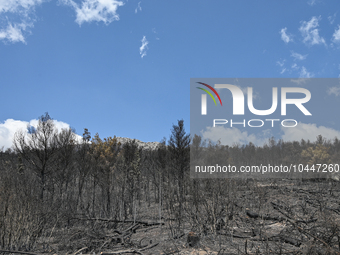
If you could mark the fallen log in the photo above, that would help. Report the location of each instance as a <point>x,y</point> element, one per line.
<point>303,231</point>
<point>243,235</point>
<point>138,251</point>
<point>255,215</point>
<point>20,252</point>
<point>145,229</point>
<point>121,252</point>
<point>290,241</point>
<point>278,238</point>
<point>149,247</point>
<point>146,223</point>
<point>277,207</point>
<point>84,248</point>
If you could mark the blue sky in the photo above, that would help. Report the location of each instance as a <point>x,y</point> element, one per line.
<point>123,67</point>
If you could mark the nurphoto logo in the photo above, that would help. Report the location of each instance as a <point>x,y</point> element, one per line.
<point>238,107</point>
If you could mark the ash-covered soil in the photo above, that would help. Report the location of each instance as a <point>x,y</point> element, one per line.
<point>267,217</point>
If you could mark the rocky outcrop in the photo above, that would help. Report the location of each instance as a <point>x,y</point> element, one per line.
<point>143,145</point>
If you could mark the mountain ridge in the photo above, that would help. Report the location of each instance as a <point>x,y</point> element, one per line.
<point>141,144</point>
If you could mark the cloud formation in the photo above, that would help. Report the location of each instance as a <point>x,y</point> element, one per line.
<point>20,15</point>
<point>19,19</point>
<point>281,64</point>
<point>312,2</point>
<point>95,10</point>
<point>232,136</point>
<point>308,132</point>
<point>334,91</point>
<point>284,36</point>
<point>10,126</point>
<point>310,32</point>
<point>305,74</point>
<point>14,33</point>
<point>331,18</point>
<point>139,8</point>
<point>21,6</point>
<point>298,56</point>
<point>336,35</point>
<point>144,47</point>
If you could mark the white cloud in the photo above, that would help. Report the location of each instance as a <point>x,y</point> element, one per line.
<point>14,33</point>
<point>308,132</point>
<point>23,6</point>
<point>284,36</point>
<point>300,81</point>
<point>255,95</point>
<point>281,63</point>
<point>312,2</point>
<point>7,130</point>
<point>10,126</point>
<point>295,66</point>
<point>298,56</point>
<point>20,18</point>
<point>232,136</point>
<point>331,18</point>
<point>305,74</point>
<point>95,10</point>
<point>144,47</point>
<point>139,8</point>
<point>310,32</point>
<point>334,90</point>
<point>336,35</point>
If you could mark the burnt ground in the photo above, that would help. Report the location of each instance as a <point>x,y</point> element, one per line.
<point>262,217</point>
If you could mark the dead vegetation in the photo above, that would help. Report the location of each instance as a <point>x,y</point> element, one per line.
<point>60,197</point>
<point>246,217</point>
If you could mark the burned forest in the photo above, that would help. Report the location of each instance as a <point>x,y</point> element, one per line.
<point>60,195</point>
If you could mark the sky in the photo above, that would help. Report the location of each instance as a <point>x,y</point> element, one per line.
<point>123,68</point>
